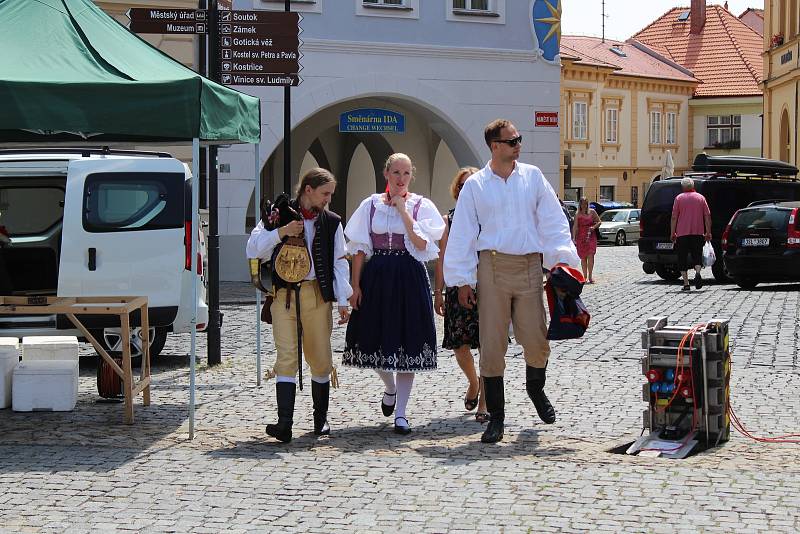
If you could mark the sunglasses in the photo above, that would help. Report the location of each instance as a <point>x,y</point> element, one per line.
<point>510,142</point>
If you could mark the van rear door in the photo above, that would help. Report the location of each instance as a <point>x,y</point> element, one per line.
<point>123,231</point>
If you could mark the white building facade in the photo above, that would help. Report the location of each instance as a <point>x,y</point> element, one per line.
<point>443,68</point>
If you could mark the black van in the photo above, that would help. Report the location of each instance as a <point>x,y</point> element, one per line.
<point>728,183</point>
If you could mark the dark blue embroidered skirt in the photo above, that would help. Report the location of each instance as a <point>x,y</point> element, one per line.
<point>393,329</point>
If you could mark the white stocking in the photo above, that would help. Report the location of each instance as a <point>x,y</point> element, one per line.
<point>390,389</point>
<point>404,383</point>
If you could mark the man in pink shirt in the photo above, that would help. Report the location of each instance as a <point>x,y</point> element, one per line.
<point>690,227</point>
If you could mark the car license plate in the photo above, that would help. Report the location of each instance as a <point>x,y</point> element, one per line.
<point>664,246</point>
<point>755,242</point>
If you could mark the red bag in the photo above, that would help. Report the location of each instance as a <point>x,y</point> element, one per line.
<point>569,317</point>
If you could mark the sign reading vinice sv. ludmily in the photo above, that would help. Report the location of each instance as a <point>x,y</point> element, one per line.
<point>372,120</point>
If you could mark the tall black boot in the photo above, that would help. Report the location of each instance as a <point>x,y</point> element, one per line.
<point>320,394</point>
<point>282,431</point>
<point>535,379</point>
<point>495,404</point>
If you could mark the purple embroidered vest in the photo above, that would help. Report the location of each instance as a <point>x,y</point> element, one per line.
<point>389,241</point>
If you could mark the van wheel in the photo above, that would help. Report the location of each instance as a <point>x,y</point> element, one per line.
<point>670,274</point>
<point>720,272</point>
<point>746,283</point>
<point>621,239</point>
<point>110,339</point>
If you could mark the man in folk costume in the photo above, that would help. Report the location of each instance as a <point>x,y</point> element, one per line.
<point>304,224</point>
<point>509,226</point>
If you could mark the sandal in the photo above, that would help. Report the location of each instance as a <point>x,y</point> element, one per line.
<point>470,404</point>
<point>482,417</point>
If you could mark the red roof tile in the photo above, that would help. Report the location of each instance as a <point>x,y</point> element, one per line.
<point>725,56</point>
<point>635,62</point>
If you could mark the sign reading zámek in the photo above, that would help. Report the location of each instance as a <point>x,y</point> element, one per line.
<point>372,120</point>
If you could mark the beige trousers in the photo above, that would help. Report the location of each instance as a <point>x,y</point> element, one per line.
<point>316,318</point>
<point>510,291</point>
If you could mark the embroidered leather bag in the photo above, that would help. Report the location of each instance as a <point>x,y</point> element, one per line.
<point>293,262</point>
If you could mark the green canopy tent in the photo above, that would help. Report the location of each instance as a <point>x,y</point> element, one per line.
<point>70,73</point>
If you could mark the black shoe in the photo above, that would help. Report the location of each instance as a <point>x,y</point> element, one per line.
<point>698,281</point>
<point>320,394</point>
<point>686,287</point>
<point>387,409</point>
<point>282,430</point>
<point>535,380</point>
<point>495,405</point>
<point>493,432</point>
<point>401,429</point>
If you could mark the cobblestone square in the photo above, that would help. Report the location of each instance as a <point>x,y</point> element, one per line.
<point>84,471</point>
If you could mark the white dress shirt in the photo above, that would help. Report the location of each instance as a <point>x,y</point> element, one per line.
<point>262,242</point>
<point>428,225</point>
<point>519,215</point>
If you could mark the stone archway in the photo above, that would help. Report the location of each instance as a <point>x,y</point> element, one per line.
<point>784,138</point>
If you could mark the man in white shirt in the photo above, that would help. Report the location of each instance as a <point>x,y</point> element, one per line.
<point>328,280</point>
<point>509,226</point>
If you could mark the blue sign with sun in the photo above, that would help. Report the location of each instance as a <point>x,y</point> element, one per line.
<point>546,19</point>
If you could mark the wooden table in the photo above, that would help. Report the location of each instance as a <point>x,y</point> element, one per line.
<point>121,306</point>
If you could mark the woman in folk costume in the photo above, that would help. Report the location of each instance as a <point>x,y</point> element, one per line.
<point>391,329</point>
<point>327,281</point>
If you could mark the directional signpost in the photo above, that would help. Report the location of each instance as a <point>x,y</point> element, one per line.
<point>187,21</point>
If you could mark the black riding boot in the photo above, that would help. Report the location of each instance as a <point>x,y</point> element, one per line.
<point>320,394</point>
<point>535,386</point>
<point>495,404</point>
<point>282,430</point>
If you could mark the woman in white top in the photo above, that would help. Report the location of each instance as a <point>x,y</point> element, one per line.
<point>391,328</point>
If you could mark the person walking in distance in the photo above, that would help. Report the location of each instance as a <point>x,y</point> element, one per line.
<point>460,324</point>
<point>584,235</point>
<point>509,226</point>
<point>327,281</point>
<point>690,227</point>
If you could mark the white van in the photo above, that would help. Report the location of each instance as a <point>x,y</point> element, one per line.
<point>100,222</point>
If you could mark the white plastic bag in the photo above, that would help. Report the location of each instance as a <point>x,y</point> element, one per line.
<point>709,257</point>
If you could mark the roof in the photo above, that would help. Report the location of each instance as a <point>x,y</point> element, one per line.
<point>70,72</point>
<point>725,56</point>
<point>635,62</point>
<point>754,18</point>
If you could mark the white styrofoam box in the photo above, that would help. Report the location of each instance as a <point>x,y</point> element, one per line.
<point>45,385</point>
<point>49,348</point>
<point>9,358</point>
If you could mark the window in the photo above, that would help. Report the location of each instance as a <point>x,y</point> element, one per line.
<point>30,210</point>
<point>303,6</point>
<point>724,131</point>
<point>655,127</point>
<point>385,2</point>
<point>472,5</point>
<point>612,119</point>
<point>579,129</point>
<point>672,128</point>
<point>388,8</point>
<point>606,192</point>
<point>121,202</point>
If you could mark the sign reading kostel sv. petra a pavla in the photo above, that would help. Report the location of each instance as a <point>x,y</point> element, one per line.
<point>255,47</point>
<point>372,120</point>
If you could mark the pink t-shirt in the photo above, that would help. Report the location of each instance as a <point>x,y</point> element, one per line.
<point>690,208</point>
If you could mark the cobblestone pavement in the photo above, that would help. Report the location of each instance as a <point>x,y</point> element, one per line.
<point>85,471</point>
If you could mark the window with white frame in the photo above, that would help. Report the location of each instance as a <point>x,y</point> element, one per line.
<point>471,5</point>
<point>385,2</point>
<point>672,128</point>
<point>612,122</point>
<point>579,118</point>
<point>724,131</point>
<point>655,127</point>
<point>303,6</point>
<point>606,192</point>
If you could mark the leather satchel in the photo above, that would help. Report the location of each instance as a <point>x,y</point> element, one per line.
<point>293,262</point>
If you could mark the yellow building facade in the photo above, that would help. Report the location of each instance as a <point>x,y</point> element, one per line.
<point>781,80</point>
<point>617,130</point>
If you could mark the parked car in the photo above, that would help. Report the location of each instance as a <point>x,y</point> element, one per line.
<point>762,244</point>
<point>619,226</point>
<point>99,222</point>
<point>728,183</point>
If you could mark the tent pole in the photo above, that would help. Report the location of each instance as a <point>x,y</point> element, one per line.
<point>257,210</point>
<point>193,236</point>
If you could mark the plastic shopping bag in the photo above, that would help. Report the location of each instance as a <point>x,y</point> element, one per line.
<point>709,257</point>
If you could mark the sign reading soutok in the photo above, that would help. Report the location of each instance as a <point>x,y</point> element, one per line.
<point>372,120</point>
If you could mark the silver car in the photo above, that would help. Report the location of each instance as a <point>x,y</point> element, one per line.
<point>619,226</point>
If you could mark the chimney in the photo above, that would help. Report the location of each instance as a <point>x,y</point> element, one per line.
<point>698,17</point>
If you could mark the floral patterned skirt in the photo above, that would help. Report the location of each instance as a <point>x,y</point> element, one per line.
<point>460,324</point>
<point>393,329</point>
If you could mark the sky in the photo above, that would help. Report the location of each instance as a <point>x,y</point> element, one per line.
<point>626,17</point>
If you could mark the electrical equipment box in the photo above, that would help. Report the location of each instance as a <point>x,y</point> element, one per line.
<point>687,388</point>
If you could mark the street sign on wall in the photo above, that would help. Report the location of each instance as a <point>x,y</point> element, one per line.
<point>372,120</point>
<point>547,119</point>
